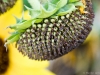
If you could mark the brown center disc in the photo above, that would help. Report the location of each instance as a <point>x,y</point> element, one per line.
<point>53,38</point>
<point>4,60</point>
<point>6,5</point>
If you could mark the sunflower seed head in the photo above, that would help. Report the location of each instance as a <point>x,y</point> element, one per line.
<point>53,38</point>
<point>6,5</point>
<point>4,58</point>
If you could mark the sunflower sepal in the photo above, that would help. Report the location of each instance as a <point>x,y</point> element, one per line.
<point>22,25</point>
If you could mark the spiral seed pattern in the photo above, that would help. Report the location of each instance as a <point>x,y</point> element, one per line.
<point>53,38</point>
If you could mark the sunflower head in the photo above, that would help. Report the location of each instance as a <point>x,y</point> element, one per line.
<point>4,60</point>
<point>55,28</point>
<point>6,5</point>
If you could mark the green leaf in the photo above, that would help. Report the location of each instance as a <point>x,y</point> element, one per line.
<point>46,10</point>
<point>51,7</point>
<point>15,38</point>
<point>61,3</point>
<point>35,4</point>
<point>64,10</point>
<point>70,1</point>
<point>79,3</point>
<point>25,3</point>
<point>68,8</point>
<point>46,13</point>
<point>22,25</point>
<point>18,20</point>
<point>54,1</point>
<point>13,34</point>
<point>38,20</point>
<point>34,13</point>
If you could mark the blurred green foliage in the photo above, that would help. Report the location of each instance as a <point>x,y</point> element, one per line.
<point>25,2</point>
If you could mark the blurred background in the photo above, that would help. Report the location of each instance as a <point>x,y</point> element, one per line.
<point>85,60</point>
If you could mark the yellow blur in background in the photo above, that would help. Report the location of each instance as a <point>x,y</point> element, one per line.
<point>19,64</point>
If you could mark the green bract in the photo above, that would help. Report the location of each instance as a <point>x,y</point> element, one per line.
<point>51,7</point>
<point>38,12</point>
<point>72,1</point>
